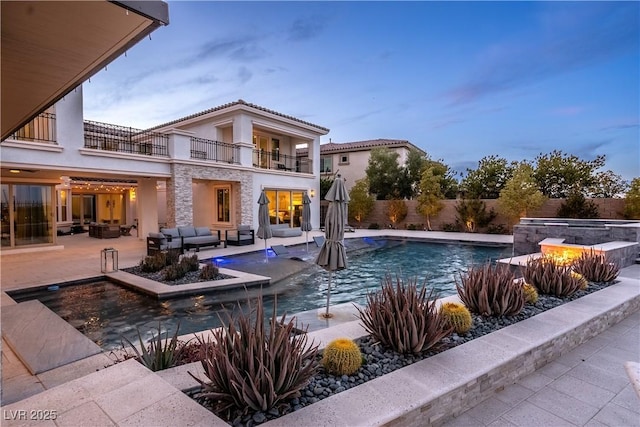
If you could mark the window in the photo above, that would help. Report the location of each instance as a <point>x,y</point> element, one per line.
<point>344,159</point>
<point>325,165</point>
<point>275,149</point>
<point>223,205</point>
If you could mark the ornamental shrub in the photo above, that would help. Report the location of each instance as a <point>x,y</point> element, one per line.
<point>253,366</point>
<point>491,291</point>
<point>403,317</point>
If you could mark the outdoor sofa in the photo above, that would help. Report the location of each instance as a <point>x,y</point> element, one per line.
<point>283,230</point>
<point>158,242</point>
<point>243,235</point>
<point>183,239</point>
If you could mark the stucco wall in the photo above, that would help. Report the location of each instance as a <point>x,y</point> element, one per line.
<point>608,208</point>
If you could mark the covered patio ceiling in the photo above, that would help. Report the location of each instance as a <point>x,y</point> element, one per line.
<point>51,47</point>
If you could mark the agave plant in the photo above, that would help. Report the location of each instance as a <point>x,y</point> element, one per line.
<point>595,267</point>
<point>160,353</point>
<point>403,317</point>
<point>551,277</point>
<point>253,367</point>
<point>491,290</point>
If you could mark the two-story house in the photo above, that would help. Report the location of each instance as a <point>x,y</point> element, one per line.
<point>206,169</point>
<point>350,159</point>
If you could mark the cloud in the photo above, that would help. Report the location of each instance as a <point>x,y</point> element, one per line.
<point>303,29</point>
<point>592,33</point>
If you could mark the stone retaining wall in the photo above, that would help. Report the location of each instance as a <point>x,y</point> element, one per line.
<point>530,232</point>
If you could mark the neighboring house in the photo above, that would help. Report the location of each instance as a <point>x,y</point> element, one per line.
<point>206,169</point>
<point>350,159</point>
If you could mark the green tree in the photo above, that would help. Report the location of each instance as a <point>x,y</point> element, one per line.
<point>577,206</point>
<point>448,182</point>
<point>383,173</point>
<point>488,179</point>
<point>608,185</point>
<point>413,167</point>
<point>430,198</point>
<point>558,174</point>
<point>472,214</point>
<point>632,200</point>
<point>520,194</point>
<point>396,211</point>
<point>361,203</point>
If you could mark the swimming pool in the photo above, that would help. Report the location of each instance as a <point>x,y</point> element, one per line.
<point>105,312</point>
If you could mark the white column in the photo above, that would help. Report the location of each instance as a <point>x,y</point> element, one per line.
<point>243,137</point>
<point>147,199</point>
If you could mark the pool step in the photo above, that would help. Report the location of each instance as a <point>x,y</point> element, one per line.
<point>41,339</point>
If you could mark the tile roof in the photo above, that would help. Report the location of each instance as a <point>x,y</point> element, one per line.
<point>333,147</point>
<point>231,104</point>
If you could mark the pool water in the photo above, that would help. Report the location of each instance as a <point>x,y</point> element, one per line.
<point>105,312</point>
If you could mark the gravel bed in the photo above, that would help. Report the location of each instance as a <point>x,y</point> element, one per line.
<point>190,277</point>
<point>380,361</point>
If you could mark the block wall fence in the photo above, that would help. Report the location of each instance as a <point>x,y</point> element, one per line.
<point>608,209</point>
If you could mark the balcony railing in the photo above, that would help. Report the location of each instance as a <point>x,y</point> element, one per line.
<point>103,136</point>
<point>205,149</point>
<point>40,129</point>
<point>275,160</point>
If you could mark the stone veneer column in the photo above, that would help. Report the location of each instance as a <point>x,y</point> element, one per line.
<point>180,196</point>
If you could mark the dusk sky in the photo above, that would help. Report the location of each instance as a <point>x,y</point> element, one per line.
<point>461,80</point>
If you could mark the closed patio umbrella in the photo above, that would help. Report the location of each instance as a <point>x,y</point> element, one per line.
<point>332,256</point>
<point>306,217</point>
<point>264,227</point>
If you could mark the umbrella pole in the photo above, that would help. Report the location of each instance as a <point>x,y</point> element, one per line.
<point>307,240</point>
<point>327,315</point>
<point>266,255</point>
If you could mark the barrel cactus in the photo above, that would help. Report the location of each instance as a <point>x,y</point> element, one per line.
<point>342,357</point>
<point>530,293</point>
<point>457,316</point>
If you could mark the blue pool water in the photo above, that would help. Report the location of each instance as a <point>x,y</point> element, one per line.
<point>105,312</point>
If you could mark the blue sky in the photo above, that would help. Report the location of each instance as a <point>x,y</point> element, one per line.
<point>461,80</point>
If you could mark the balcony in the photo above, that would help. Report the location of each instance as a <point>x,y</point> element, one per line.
<point>41,129</point>
<point>205,149</point>
<point>275,160</point>
<point>122,139</point>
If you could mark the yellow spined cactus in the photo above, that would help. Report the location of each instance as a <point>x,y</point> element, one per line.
<point>342,357</point>
<point>457,316</point>
<point>530,293</point>
<point>583,282</point>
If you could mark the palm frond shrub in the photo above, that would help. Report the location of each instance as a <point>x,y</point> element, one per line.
<point>596,267</point>
<point>160,353</point>
<point>551,277</point>
<point>251,366</point>
<point>403,317</point>
<point>491,290</point>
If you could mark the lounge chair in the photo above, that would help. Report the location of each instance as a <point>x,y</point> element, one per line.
<point>158,242</point>
<point>243,235</point>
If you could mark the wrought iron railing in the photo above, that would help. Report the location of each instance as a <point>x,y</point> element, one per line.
<point>40,129</point>
<point>206,149</point>
<point>275,160</point>
<point>104,136</point>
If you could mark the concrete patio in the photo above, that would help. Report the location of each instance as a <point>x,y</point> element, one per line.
<point>586,385</point>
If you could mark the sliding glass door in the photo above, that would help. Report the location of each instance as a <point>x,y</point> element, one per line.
<point>27,214</point>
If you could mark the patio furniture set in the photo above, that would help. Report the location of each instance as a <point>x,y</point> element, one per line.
<point>190,237</point>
